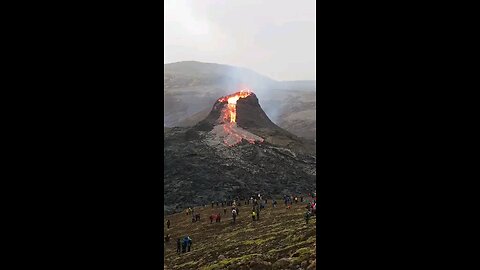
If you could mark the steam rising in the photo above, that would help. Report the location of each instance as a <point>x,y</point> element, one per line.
<point>267,90</point>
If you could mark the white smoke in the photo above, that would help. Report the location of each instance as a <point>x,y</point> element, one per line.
<point>268,91</point>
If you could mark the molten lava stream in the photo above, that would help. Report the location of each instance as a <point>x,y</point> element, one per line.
<point>235,134</point>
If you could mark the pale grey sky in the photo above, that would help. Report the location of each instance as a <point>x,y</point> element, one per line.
<point>275,38</point>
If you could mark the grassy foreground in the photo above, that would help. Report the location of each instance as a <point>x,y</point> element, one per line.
<point>279,240</point>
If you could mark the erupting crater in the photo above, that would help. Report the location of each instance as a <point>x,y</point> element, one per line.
<point>226,125</point>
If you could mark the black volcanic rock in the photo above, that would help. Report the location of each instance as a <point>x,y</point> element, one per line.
<point>198,169</point>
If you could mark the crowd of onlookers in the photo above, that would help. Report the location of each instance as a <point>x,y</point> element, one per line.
<point>258,203</point>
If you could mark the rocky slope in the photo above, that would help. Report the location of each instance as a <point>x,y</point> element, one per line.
<point>280,239</point>
<point>201,166</point>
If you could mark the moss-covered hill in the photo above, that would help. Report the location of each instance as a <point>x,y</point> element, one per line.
<point>279,240</point>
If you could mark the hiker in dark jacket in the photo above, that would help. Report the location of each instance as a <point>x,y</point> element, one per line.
<point>307,216</point>
<point>168,223</point>
<point>225,210</point>
<point>218,218</point>
<point>184,246</point>
<point>197,217</point>
<point>178,245</point>
<point>253,215</point>
<point>189,243</point>
<point>213,203</point>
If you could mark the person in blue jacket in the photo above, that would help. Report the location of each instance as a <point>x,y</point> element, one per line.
<point>187,242</point>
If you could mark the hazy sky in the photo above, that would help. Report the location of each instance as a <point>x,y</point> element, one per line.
<point>275,38</point>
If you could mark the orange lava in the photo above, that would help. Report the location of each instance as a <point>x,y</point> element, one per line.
<point>231,110</point>
<point>229,115</point>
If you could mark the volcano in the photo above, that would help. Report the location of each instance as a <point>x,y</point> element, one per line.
<point>239,117</point>
<point>235,151</point>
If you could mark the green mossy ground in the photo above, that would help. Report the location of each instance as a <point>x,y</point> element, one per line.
<point>279,234</point>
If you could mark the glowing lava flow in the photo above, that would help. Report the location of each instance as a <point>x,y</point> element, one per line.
<point>231,110</point>
<point>231,133</point>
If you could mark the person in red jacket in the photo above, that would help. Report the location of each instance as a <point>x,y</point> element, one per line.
<point>212,217</point>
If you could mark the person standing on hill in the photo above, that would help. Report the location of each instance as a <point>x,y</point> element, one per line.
<point>225,211</point>
<point>253,215</point>
<point>211,218</point>
<point>307,216</point>
<point>184,245</point>
<point>168,223</point>
<point>217,203</point>
<point>234,215</point>
<point>257,211</point>
<point>213,203</point>
<point>189,244</point>
<point>218,218</point>
<point>301,199</point>
<point>178,245</point>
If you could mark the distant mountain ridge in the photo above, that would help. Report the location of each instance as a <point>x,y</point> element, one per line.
<point>220,73</point>
<point>190,87</point>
